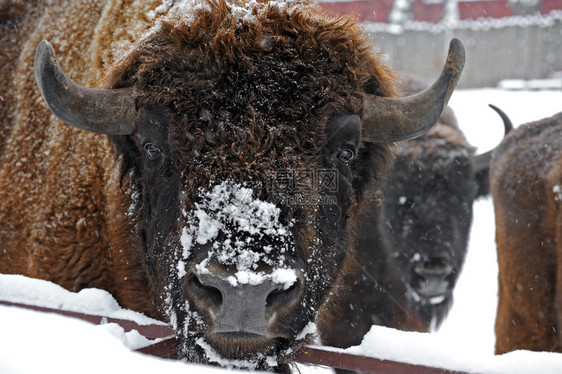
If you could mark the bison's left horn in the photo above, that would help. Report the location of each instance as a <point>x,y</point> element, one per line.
<point>107,111</point>
<point>394,119</point>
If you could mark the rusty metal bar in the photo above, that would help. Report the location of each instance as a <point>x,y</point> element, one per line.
<point>319,356</point>
<point>167,347</point>
<point>341,360</point>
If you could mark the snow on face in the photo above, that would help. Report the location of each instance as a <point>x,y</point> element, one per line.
<point>250,230</point>
<point>285,277</point>
<point>214,356</point>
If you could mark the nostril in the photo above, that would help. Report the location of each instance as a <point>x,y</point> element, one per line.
<point>436,267</point>
<point>279,297</point>
<point>209,293</point>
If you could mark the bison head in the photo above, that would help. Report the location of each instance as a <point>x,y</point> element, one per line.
<point>251,132</point>
<point>428,212</point>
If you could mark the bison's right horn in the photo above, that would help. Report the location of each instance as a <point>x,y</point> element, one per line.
<point>107,111</point>
<point>388,119</point>
<point>482,161</point>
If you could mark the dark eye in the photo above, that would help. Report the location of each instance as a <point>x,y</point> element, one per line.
<point>346,155</point>
<point>151,150</point>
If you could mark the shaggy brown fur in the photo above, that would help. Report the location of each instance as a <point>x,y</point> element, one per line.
<point>242,112</point>
<point>232,95</point>
<point>526,180</point>
<point>15,18</point>
<point>63,213</point>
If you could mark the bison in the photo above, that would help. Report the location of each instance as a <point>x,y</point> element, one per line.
<point>410,247</point>
<point>212,174</point>
<point>526,186</point>
<point>427,213</point>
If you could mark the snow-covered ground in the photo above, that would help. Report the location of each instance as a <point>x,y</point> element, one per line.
<point>33,342</point>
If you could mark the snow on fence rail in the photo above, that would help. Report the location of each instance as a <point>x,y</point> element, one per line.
<point>165,346</point>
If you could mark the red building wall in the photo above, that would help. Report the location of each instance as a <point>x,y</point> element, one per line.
<point>365,10</point>
<point>484,9</point>
<point>550,5</point>
<point>427,12</point>
<point>422,10</point>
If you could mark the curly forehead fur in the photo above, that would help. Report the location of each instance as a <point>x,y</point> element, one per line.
<point>258,79</point>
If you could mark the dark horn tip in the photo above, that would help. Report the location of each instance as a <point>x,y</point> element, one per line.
<point>46,72</point>
<point>507,124</point>
<point>44,45</point>
<point>43,54</point>
<point>457,53</point>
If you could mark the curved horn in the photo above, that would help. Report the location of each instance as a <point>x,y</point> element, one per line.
<point>388,119</point>
<point>106,111</point>
<point>507,125</point>
<point>482,161</point>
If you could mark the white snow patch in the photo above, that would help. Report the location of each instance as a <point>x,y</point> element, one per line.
<point>429,349</point>
<point>285,277</point>
<point>230,209</point>
<point>243,12</point>
<point>208,227</point>
<point>161,9</point>
<point>215,357</point>
<point>532,84</point>
<point>24,290</point>
<point>181,269</point>
<point>309,329</point>
<point>36,342</point>
<point>131,339</point>
<point>135,203</point>
<point>186,241</point>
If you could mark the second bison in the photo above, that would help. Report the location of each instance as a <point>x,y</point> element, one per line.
<point>411,244</point>
<point>526,185</point>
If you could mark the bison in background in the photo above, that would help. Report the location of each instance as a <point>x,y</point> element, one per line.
<point>410,247</point>
<point>526,186</point>
<point>427,213</point>
<point>180,198</point>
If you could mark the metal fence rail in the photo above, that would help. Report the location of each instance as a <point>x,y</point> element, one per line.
<point>167,347</point>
